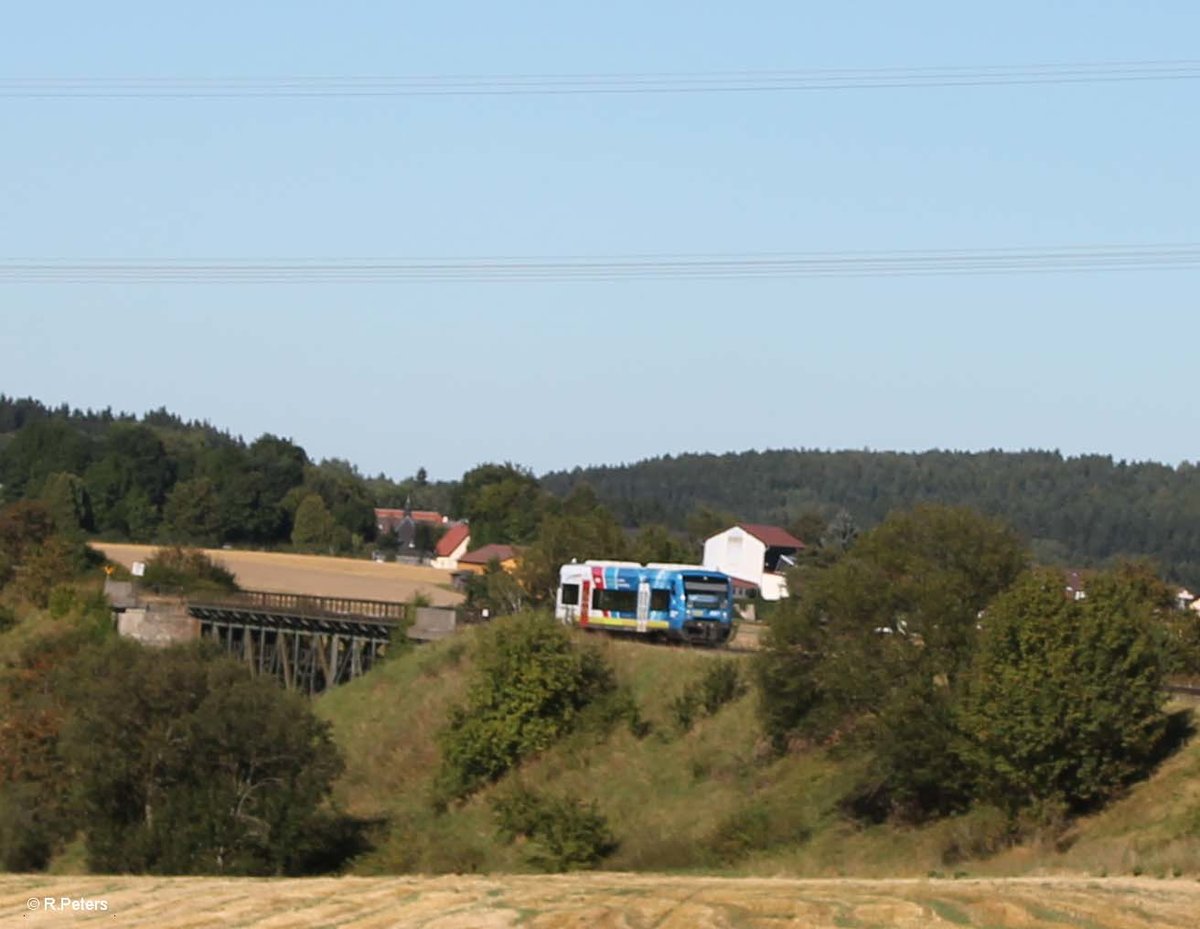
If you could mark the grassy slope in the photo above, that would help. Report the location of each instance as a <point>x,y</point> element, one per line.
<point>692,801</point>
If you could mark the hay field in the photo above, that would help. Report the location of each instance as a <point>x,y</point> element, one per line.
<point>317,575</point>
<point>594,901</point>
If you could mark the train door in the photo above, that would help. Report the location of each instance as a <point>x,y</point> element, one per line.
<point>643,606</point>
<point>585,601</point>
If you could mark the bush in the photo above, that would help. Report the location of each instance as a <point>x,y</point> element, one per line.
<point>187,571</point>
<point>8,618</point>
<point>563,834</point>
<point>1064,706</point>
<point>721,683</point>
<point>531,685</point>
<point>184,763</point>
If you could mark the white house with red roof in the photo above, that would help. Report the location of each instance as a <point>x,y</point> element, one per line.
<point>753,553</point>
<point>451,547</point>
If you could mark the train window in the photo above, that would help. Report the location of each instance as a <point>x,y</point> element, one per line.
<point>660,600</point>
<point>615,601</point>
<point>570,594</point>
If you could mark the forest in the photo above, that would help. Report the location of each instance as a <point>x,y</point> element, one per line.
<point>1071,511</point>
<point>159,478</point>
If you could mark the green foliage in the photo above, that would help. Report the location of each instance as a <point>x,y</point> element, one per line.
<point>721,683</point>
<point>496,591</point>
<point>502,502</point>
<point>561,833</point>
<point>8,618</point>
<point>192,513</point>
<point>903,603</point>
<point>1081,511</point>
<point>531,685</point>
<point>186,764</point>
<point>187,570</point>
<point>24,527</point>
<point>576,529</point>
<point>36,810</point>
<point>877,642</point>
<point>1064,706</point>
<point>66,499</point>
<point>56,561</point>
<point>656,543</point>
<point>313,529</point>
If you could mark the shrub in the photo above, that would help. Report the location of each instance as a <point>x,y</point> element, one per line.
<point>721,683</point>
<point>530,686</point>
<point>187,570</point>
<point>563,834</point>
<point>1064,706</point>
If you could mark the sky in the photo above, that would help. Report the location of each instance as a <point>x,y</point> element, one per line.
<point>394,376</point>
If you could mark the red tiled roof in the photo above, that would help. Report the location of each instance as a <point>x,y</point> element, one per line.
<point>452,539</point>
<point>772,536</point>
<point>483,555</point>
<point>418,516</point>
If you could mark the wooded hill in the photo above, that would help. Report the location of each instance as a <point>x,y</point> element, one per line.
<point>158,478</point>
<point>1073,511</point>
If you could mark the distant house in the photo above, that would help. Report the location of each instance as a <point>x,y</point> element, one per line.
<point>755,555</point>
<point>389,519</point>
<point>451,547</point>
<point>476,562</point>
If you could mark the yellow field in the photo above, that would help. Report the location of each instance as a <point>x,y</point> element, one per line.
<point>594,901</point>
<point>317,575</point>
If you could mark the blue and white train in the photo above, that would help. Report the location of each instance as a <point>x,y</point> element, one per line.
<point>681,602</point>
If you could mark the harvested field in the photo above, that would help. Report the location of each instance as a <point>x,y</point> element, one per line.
<point>316,575</point>
<point>600,900</point>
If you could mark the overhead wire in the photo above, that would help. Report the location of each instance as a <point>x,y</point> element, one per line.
<point>766,81</point>
<point>551,269</point>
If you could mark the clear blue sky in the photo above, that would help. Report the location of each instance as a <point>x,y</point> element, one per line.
<point>552,375</point>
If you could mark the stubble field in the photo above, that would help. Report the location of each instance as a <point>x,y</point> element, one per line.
<point>316,575</point>
<point>594,901</point>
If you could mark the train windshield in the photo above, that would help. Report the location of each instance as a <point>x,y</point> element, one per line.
<point>704,593</point>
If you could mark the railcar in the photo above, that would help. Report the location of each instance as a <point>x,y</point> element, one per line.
<point>683,603</point>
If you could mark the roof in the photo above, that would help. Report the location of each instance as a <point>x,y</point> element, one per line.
<point>771,536</point>
<point>454,537</point>
<point>418,516</point>
<point>485,554</point>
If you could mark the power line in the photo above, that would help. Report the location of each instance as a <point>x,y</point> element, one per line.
<point>600,83</point>
<point>548,269</point>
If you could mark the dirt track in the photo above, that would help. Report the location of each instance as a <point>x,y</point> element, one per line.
<point>314,574</point>
<point>604,900</point>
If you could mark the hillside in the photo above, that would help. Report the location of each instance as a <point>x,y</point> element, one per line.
<point>1075,511</point>
<point>711,799</point>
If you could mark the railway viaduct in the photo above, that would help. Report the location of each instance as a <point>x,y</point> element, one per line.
<point>308,643</point>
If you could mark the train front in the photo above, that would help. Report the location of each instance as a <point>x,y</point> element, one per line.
<point>706,617</point>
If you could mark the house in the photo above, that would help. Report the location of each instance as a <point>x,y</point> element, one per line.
<point>754,555</point>
<point>390,519</point>
<point>476,562</point>
<point>451,547</point>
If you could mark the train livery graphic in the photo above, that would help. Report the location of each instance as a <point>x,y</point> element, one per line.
<point>680,602</point>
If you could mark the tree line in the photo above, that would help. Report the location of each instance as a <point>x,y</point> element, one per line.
<point>159,478</point>
<point>1073,511</point>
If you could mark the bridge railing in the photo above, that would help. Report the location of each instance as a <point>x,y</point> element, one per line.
<point>309,605</point>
